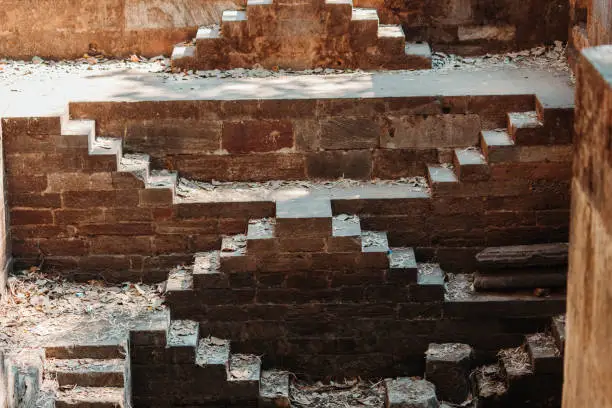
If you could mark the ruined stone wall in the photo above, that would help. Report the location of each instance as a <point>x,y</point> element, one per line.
<point>152,27</point>
<point>75,212</point>
<point>588,349</point>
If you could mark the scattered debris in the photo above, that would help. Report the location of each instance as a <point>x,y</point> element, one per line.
<point>459,286</point>
<point>348,394</point>
<point>40,308</point>
<point>552,58</point>
<point>516,360</point>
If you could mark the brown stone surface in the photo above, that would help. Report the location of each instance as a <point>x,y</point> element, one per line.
<point>588,345</point>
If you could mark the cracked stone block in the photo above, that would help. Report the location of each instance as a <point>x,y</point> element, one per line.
<point>447,365</point>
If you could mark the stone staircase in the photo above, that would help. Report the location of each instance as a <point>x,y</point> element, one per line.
<point>306,253</point>
<point>530,375</point>
<point>88,376</point>
<point>513,153</point>
<point>299,35</point>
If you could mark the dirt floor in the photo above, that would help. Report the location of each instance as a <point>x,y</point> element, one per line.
<point>548,58</point>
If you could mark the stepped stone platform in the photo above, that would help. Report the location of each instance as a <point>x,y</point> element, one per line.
<point>299,35</point>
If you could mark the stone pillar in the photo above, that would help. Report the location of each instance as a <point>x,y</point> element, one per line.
<point>588,351</point>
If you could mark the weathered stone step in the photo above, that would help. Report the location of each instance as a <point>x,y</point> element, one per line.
<point>183,56</point>
<point>489,387</point>
<point>213,354</point>
<point>403,267</point>
<point>137,164</point>
<point>470,165</point>
<point>510,280</point>
<point>183,333</point>
<point>90,397</point>
<point>430,284</point>
<point>207,272</point>
<point>441,179</point>
<point>522,256</point>
<point>365,14</point>
<point>410,393</point>
<point>162,179</point>
<point>302,217</point>
<point>90,351</point>
<point>516,365</point>
<point>558,331</point>
<point>346,234</point>
<point>544,354</point>
<point>179,280</point>
<point>525,128</point>
<point>497,146</point>
<point>274,389</point>
<point>80,128</point>
<point>499,149</point>
<point>87,372</point>
<point>447,366</point>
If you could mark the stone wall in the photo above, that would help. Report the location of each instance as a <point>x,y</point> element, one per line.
<point>152,27</point>
<point>588,349</point>
<point>78,213</point>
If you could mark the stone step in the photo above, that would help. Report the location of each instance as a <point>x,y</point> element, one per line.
<point>470,165</point>
<point>525,128</point>
<point>510,280</point>
<point>137,164</point>
<point>363,28</point>
<point>391,39</point>
<point>88,351</point>
<point>183,333</point>
<point>403,267</point>
<point>516,365</point>
<point>489,387</point>
<point>243,375</point>
<point>233,255</point>
<point>558,331</point>
<point>544,355</point>
<point>107,146</point>
<point>524,257</point>
<point>179,280</point>
<point>419,54</point>
<point>274,389</point>
<point>558,117</point>
<point>87,372</point>
<point>163,179</point>
<point>213,355</point>
<point>184,56</point>
<point>447,366</point>
<point>365,14</point>
<point>408,392</point>
<point>374,241</point>
<point>234,25</point>
<point>442,179</point>
<point>206,271</point>
<point>430,284</point>
<point>91,397</point>
<point>497,146</point>
<point>346,234</point>
<point>261,235</point>
<point>302,217</point>
<point>208,33</point>
<point>82,128</point>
